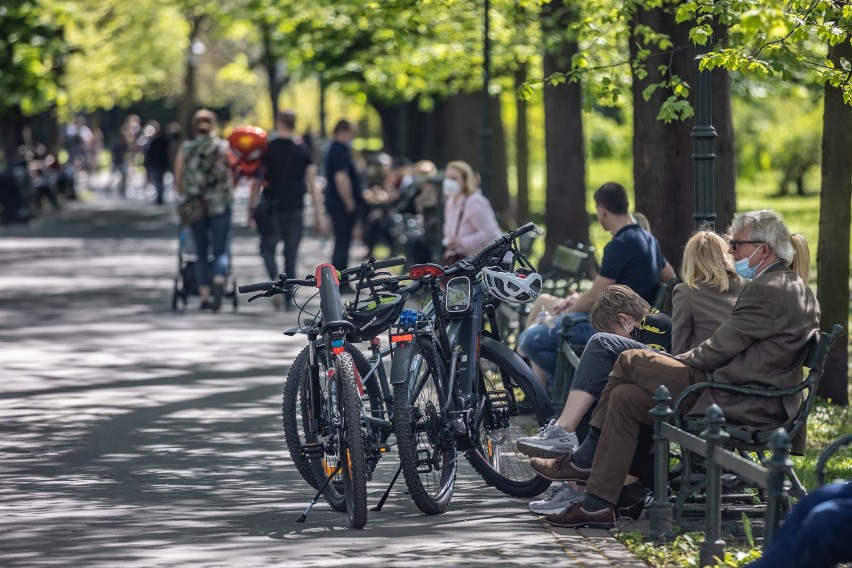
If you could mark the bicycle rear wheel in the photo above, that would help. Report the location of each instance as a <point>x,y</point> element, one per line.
<point>295,404</point>
<point>508,411</point>
<point>350,438</point>
<point>425,441</point>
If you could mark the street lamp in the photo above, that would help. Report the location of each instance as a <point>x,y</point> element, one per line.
<point>703,155</point>
<point>485,135</point>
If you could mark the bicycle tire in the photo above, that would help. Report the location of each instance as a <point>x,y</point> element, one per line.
<point>294,403</point>
<point>419,427</point>
<point>511,412</point>
<point>351,441</point>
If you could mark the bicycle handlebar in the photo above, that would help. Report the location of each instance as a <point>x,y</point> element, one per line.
<point>258,287</point>
<point>374,265</point>
<point>483,254</point>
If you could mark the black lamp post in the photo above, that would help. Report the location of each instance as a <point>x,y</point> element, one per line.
<point>485,134</point>
<point>703,154</point>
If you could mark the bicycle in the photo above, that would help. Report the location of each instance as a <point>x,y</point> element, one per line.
<point>341,439</point>
<point>457,388</point>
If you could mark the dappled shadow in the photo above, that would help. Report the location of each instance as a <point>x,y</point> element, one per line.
<point>132,436</point>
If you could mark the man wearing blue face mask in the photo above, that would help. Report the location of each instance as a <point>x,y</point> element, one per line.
<point>762,344</point>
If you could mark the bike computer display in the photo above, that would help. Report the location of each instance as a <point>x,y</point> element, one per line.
<point>458,295</point>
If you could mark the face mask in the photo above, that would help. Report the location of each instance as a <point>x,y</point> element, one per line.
<point>451,187</point>
<point>743,269</point>
<point>635,333</point>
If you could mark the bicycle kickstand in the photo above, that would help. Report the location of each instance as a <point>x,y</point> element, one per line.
<point>317,496</point>
<point>384,498</point>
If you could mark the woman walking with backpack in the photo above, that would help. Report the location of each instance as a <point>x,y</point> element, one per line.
<point>203,176</point>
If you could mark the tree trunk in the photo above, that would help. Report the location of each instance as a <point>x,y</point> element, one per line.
<point>270,64</point>
<point>187,102</point>
<point>662,153</point>
<point>522,157</point>
<point>834,220</point>
<point>565,201</point>
<point>460,117</point>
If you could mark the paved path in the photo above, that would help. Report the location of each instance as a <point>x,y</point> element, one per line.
<point>133,436</point>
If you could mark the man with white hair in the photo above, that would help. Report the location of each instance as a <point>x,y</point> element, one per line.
<point>763,343</point>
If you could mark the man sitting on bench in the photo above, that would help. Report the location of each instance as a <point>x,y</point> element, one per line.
<point>632,258</point>
<point>763,343</point>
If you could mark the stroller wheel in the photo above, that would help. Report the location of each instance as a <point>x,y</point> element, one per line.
<point>175,295</point>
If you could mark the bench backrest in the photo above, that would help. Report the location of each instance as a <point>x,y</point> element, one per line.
<point>818,351</point>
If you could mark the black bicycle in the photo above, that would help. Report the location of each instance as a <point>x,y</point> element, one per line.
<point>459,391</point>
<point>344,402</point>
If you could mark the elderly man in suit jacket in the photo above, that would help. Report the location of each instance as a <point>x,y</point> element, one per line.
<point>763,343</point>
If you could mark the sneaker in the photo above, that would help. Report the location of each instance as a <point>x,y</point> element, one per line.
<point>562,496</point>
<point>550,442</point>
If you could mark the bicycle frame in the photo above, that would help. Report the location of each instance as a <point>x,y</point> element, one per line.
<point>459,344</point>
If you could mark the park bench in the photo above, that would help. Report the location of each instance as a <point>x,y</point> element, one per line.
<point>709,447</point>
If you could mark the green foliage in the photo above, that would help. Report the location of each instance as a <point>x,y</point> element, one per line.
<point>782,39</point>
<point>119,55</point>
<point>32,55</point>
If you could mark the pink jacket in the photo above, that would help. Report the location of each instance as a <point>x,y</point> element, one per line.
<point>478,226</point>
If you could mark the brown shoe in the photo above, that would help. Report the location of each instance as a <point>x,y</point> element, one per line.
<point>576,516</point>
<point>559,469</point>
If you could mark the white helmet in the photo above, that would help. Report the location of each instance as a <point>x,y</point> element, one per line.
<point>511,287</point>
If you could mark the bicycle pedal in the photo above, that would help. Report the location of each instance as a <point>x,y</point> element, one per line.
<point>312,451</point>
<point>424,465</point>
<point>498,398</point>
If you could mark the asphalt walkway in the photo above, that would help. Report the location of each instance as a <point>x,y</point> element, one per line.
<point>134,436</point>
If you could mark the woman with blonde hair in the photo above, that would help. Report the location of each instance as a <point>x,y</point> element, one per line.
<point>469,221</point>
<point>801,264</point>
<point>708,292</point>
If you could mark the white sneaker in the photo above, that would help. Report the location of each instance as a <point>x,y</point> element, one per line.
<point>562,497</point>
<point>550,442</point>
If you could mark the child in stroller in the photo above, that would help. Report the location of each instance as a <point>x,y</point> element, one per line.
<point>185,282</point>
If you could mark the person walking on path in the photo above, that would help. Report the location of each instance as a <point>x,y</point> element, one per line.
<point>201,168</point>
<point>343,193</point>
<point>157,162</point>
<point>278,211</point>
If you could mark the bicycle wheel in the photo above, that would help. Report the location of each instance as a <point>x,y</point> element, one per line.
<point>508,412</point>
<point>295,403</point>
<point>350,440</point>
<point>424,438</point>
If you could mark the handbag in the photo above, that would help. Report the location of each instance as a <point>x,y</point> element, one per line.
<point>453,257</point>
<point>264,216</point>
<point>192,209</point>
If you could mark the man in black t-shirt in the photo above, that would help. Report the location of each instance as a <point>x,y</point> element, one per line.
<point>343,195</point>
<point>287,171</point>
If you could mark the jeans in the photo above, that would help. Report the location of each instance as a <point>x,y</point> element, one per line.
<point>343,224</point>
<point>212,232</point>
<point>287,227</point>
<point>815,533</point>
<point>158,181</point>
<point>540,342</point>
<point>596,363</point>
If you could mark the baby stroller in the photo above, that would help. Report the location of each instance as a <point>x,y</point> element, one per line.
<point>185,282</point>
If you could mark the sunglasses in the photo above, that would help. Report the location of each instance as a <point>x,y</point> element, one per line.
<point>734,243</point>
